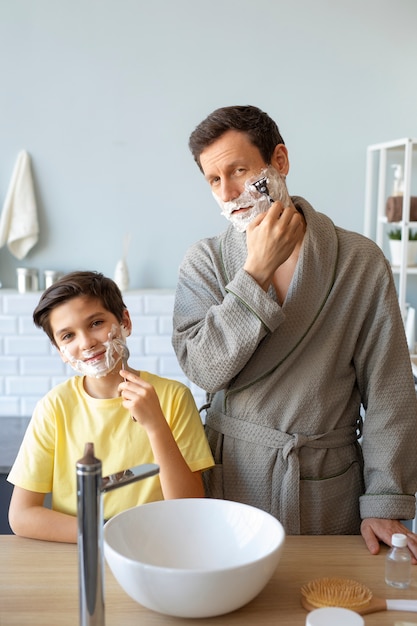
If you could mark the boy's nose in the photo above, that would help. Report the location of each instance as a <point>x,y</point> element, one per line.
<point>87,342</point>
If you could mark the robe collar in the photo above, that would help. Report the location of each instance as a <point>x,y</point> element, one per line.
<point>310,287</point>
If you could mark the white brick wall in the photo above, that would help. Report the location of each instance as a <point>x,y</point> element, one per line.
<point>30,365</point>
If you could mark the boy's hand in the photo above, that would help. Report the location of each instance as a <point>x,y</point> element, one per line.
<point>141,400</point>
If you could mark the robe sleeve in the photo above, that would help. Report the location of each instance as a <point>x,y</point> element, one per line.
<point>389,398</point>
<point>218,323</point>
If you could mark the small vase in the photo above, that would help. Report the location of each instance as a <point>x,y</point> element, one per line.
<point>121,275</point>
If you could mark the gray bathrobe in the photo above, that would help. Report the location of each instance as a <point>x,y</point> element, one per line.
<point>288,384</point>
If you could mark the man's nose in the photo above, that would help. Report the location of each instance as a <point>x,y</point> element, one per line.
<point>229,191</point>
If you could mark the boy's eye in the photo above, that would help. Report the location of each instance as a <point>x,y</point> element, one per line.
<point>66,337</point>
<point>97,323</point>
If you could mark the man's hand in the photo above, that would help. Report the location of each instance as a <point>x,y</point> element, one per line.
<point>374,530</point>
<point>271,239</point>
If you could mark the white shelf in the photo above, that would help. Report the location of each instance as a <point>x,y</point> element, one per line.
<point>384,220</point>
<point>379,161</point>
<point>410,269</point>
<point>387,145</point>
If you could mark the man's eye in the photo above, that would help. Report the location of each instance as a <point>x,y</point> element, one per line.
<point>214,181</point>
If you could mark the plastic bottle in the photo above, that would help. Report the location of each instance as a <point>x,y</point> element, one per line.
<point>398,563</point>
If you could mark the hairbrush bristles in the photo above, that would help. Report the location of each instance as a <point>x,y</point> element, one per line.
<point>341,592</point>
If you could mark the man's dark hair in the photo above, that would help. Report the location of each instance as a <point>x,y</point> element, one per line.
<point>261,130</point>
<point>73,285</point>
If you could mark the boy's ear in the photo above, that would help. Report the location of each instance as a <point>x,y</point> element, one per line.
<point>127,322</point>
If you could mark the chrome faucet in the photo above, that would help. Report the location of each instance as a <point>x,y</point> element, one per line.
<point>90,486</point>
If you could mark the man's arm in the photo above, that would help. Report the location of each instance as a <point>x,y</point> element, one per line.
<point>220,319</point>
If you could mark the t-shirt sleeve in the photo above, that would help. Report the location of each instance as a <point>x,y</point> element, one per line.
<point>33,466</point>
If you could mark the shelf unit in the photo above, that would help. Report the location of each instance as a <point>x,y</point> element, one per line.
<point>377,190</point>
<point>378,161</point>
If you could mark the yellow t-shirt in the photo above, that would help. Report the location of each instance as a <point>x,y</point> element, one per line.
<point>67,418</point>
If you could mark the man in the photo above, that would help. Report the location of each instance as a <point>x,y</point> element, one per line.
<point>291,325</point>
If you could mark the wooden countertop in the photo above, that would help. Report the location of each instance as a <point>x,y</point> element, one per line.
<point>39,585</point>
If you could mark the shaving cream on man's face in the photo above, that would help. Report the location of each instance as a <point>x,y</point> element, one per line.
<point>257,201</point>
<point>104,363</point>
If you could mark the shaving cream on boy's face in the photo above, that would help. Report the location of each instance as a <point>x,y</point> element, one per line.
<point>105,362</point>
<point>257,201</point>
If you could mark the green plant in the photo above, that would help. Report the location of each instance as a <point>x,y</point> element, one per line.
<point>396,234</point>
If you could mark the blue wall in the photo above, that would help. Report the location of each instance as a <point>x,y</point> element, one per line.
<point>104,93</point>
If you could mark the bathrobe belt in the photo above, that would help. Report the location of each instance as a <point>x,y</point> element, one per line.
<point>287,490</point>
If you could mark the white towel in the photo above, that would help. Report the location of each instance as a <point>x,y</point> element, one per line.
<point>19,226</point>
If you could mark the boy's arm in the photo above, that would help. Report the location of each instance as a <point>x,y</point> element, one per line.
<point>177,479</point>
<point>29,518</point>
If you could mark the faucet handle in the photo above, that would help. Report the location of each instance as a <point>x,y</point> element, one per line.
<point>124,477</point>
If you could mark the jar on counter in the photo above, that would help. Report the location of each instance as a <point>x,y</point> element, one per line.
<point>50,277</point>
<point>27,279</point>
<point>334,616</point>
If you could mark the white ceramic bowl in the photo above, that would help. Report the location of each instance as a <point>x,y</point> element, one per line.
<point>195,557</point>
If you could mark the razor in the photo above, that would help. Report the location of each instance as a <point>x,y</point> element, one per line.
<point>262,187</point>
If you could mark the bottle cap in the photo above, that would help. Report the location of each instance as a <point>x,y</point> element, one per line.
<point>331,615</point>
<point>399,540</point>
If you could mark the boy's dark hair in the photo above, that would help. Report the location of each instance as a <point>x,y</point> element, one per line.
<point>261,130</point>
<point>73,285</point>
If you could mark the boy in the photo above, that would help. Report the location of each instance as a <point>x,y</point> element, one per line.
<point>131,417</point>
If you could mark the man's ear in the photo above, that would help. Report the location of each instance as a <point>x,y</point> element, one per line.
<point>280,159</point>
<point>126,323</point>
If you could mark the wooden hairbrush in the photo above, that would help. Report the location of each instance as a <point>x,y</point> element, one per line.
<point>349,594</point>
